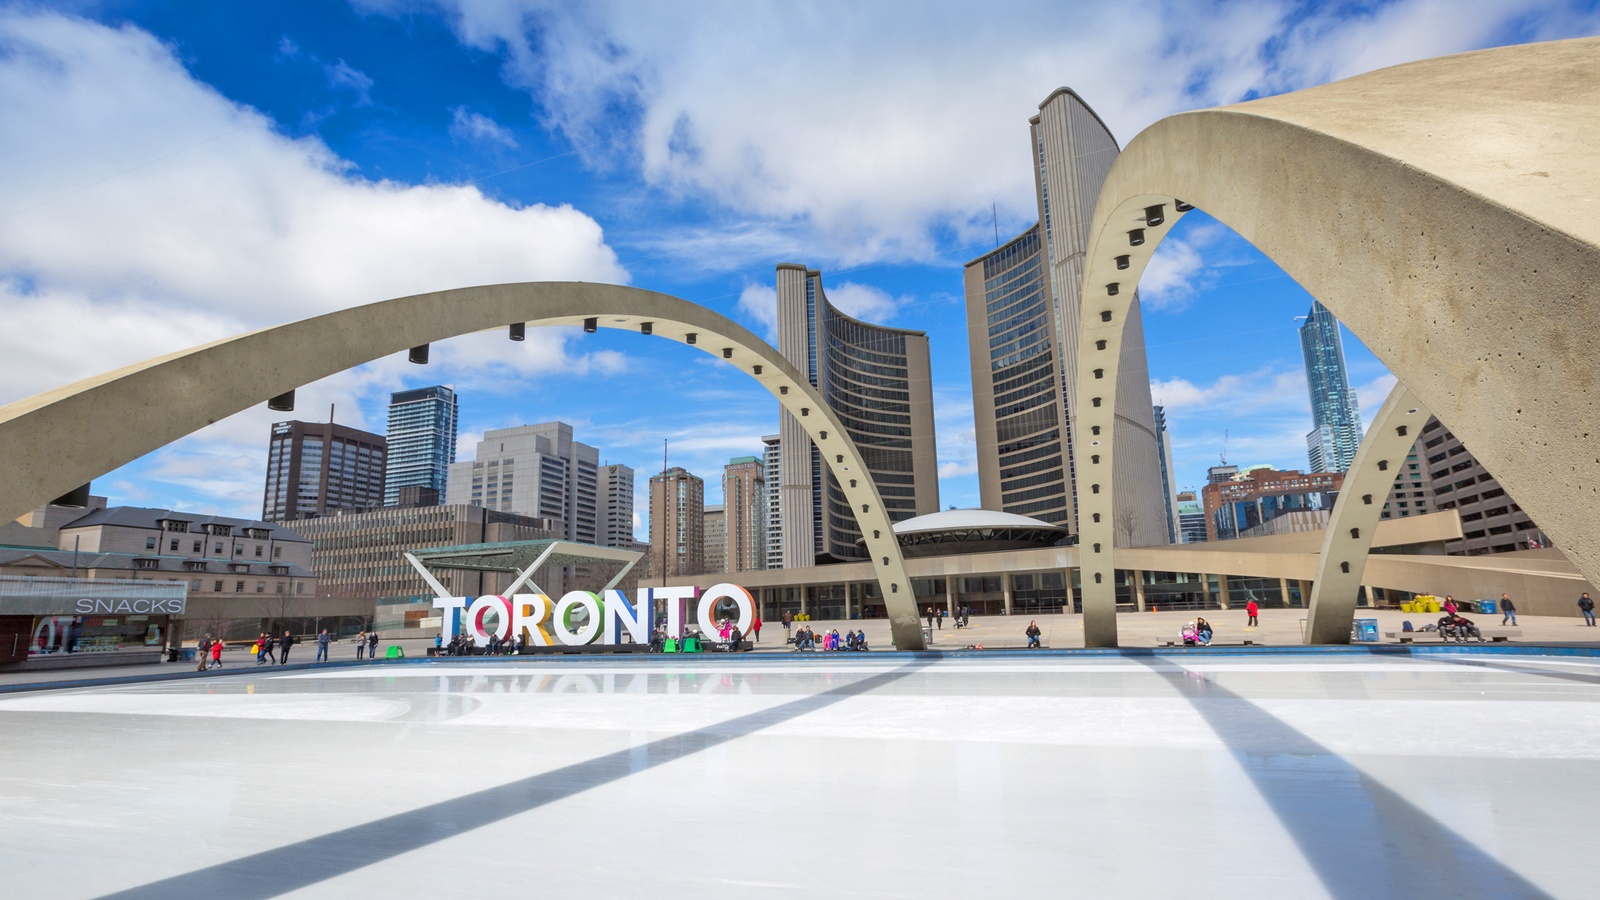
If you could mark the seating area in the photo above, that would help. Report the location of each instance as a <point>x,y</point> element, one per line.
<point>1495,635</point>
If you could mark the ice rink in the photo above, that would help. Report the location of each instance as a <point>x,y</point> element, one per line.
<point>1341,774</point>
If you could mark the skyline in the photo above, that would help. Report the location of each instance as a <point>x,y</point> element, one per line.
<point>198,172</point>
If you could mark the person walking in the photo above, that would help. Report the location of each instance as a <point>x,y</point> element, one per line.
<point>372,644</point>
<point>322,646</point>
<point>1587,606</point>
<point>755,627</point>
<point>930,618</point>
<point>216,655</point>
<point>788,623</point>
<point>260,649</point>
<point>204,648</point>
<point>361,645</point>
<point>283,647</point>
<point>1033,633</point>
<point>1252,610</point>
<point>941,618</point>
<point>1508,610</point>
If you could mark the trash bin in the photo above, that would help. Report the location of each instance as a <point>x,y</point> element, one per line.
<point>1365,630</point>
<point>1488,607</point>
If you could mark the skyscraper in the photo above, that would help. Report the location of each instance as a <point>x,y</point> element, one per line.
<point>714,534</point>
<point>1022,323</point>
<point>878,382</point>
<point>314,468</point>
<point>616,493</point>
<point>677,523</point>
<point>1168,490</point>
<point>744,501</point>
<point>422,441</point>
<point>537,471</point>
<point>770,460</point>
<point>1336,432</point>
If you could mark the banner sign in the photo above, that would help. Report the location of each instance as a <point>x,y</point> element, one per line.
<point>604,619</point>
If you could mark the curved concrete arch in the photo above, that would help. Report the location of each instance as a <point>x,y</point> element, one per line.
<point>1354,520</point>
<point>1446,211</point>
<point>57,440</point>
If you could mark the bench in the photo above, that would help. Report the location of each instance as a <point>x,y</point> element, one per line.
<point>1495,635</point>
<point>1178,642</point>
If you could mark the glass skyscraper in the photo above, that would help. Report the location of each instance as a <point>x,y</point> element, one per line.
<point>422,441</point>
<point>1332,442</point>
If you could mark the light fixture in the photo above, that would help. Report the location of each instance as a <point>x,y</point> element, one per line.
<point>755,370</point>
<point>647,328</point>
<point>282,403</point>
<point>727,353</point>
<point>1123,261</point>
<point>419,354</point>
<point>591,325</point>
<point>1113,289</point>
<point>1181,206</point>
<point>518,331</point>
<point>691,337</point>
<point>1136,237</point>
<point>1155,215</point>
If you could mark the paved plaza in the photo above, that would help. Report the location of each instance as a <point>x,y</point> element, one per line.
<point>1238,774</point>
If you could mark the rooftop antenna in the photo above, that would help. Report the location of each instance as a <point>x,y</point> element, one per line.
<point>1224,446</point>
<point>663,456</point>
<point>994,210</point>
<point>330,413</point>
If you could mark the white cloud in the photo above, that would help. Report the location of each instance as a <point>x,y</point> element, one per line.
<point>146,213</point>
<point>884,129</point>
<point>1370,396</point>
<point>759,302</point>
<point>1265,390</point>
<point>344,77</point>
<point>865,302</point>
<point>477,128</point>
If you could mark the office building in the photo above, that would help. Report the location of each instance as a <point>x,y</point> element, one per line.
<point>1191,518</point>
<point>314,468</point>
<point>1491,520</point>
<point>357,556</point>
<point>422,441</point>
<point>1023,303</point>
<point>537,471</point>
<point>771,462</point>
<point>616,505</point>
<point>1336,421</point>
<point>1260,494</point>
<point>714,534</point>
<point>677,524</point>
<point>877,381</point>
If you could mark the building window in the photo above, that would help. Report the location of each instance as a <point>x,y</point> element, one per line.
<point>300,588</point>
<point>195,585</point>
<point>197,546</point>
<point>258,550</point>
<point>217,549</point>
<point>173,545</point>
<point>261,587</point>
<point>238,549</point>
<point>238,587</point>
<point>217,587</point>
<point>277,552</point>
<point>280,587</point>
<point>149,543</point>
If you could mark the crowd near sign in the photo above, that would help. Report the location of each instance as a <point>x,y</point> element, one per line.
<point>584,617</point>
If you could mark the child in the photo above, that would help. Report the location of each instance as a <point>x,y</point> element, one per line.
<point>216,655</point>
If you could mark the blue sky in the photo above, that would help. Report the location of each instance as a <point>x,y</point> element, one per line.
<point>176,172</point>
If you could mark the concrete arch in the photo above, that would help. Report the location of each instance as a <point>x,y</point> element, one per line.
<point>57,440</point>
<point>1446,211</point>
<point>1354,521</point>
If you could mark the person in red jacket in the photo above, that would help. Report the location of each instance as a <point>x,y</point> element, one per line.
<point>1251,609</point>
<point>216,655</point>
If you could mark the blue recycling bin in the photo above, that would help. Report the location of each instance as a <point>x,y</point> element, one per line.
<point>1488,607</point>
<point>1366,630</point>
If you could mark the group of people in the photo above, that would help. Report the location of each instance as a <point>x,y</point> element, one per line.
<point>269,650</point>
<point>962,617</point>
<point>1197,633</point>
<point>806,639</point>
<point>461,645</point>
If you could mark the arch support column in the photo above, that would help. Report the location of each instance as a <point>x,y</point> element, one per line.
<point>1348,540</point>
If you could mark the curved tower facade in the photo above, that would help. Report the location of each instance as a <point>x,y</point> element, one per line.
<point>1022,313</point>
<point>877,381</point>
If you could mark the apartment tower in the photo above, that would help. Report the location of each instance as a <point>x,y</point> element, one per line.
<point>537,471</point>
<point>422,441</point>
<point>315,468</point>
<point>677,523</point>
<point>744,501</point>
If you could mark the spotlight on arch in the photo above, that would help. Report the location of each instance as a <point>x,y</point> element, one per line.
<point>591,325</point>
<point>1181,206</point>
<point>1155,215</point>
<point>419,354</point>
<point>647,328</point>
<point>284,402</point>
<point>518,331</point>
<point>1136,237</point>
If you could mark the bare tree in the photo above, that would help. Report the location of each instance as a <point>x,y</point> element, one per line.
<point>1127,526</point>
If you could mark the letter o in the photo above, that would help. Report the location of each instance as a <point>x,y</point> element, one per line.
<point>563,628</point>
<point>481,607</point>
<point>708,602</point>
